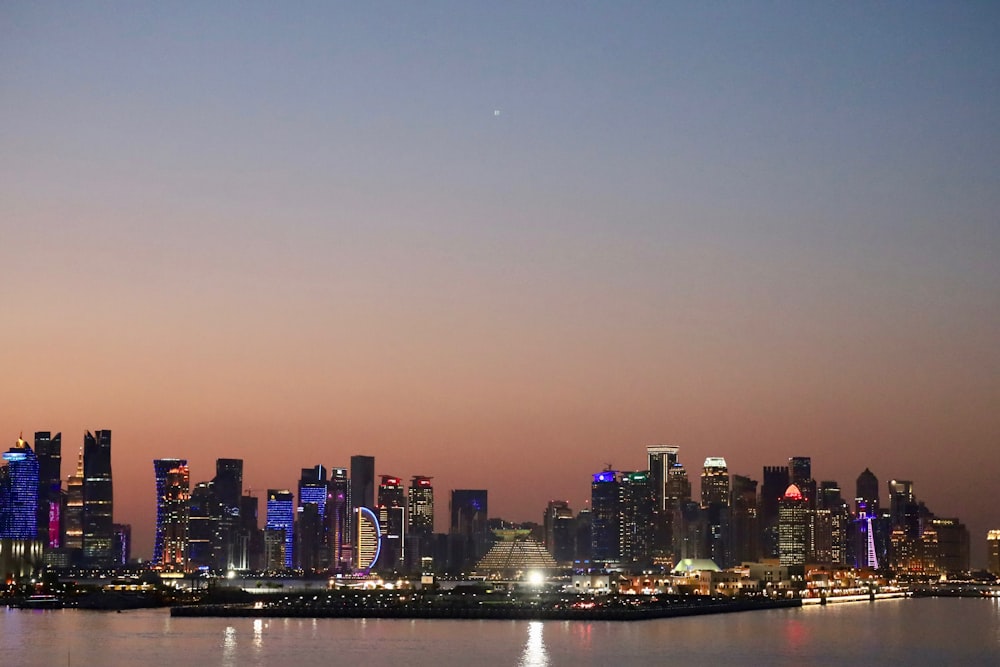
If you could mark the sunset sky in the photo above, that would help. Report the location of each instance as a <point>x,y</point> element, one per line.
<point>504,244</point>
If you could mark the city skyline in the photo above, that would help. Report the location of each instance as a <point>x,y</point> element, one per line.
<point>290,235</point>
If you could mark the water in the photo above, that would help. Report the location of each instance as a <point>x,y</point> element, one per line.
<point>931,631</point>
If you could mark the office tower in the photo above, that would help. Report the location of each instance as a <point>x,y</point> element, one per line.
<point>903,508</point>
<point>281,517</point>
<point>800,474</point>
<point>162,468</point>
<point>20,503</point>
<point>605,507</point>
<point>772,489</point>
<point>421,505</point>
<point>73,521</point>
<point>557,524</point>
<point>715,482</point>
<point>229,548</point>
<point>339,520</point>
<point>793,523</point>
<point>98,499</point>
<point>363,482</point>
<point>175,515</point>
<point>469,537</point>
<point>635,525</point>
<point>866,498</point>
<point>121,543</point>
<point>392,521</point>
<point>660,459</point>
<point>48,450</point>
<point>829,499</point>
<point>744,529</point>
<point>993,552</point>
<point>250,533</point>
<point>367,539</point>
<point>676,495</point>
<point>953,545</point>
<point>311,533</point>
<point>204,512</point>
<point>469,511</point>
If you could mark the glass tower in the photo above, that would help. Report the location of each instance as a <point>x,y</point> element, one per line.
<point>281,516</point>
<point>20,508</point>
<point>98,499</point>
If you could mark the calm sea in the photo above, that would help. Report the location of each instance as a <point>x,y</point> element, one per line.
<point>918,632</point>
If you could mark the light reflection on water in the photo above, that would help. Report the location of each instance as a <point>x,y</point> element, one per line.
<point>534,649</point>
<point>912,632</point>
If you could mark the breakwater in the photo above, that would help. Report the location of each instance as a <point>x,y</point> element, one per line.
<point>616,608</point>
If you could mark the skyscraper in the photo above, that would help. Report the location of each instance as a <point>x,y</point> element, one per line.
<point>73,521</point>
<point>715,482</point>
<point>161,469</point>
<point>635,525</point>
<point>421,505</point>
<point>281,517</point>
<point>229,545</point>
<point>311,533</point>
<point>175,515</point>
<point>744,530</point>
<point>363,482</point>
<point>800,474</point>
<point>660,459</point>
<point>20,507</point>
<point>392,520</point>
<point>866,497</point>
<point>993,552</point>
<point>339,520</point>
<point>793,522</point>
<point>48,450</point>
<point>98,499</point>
<point>772,489</point>
<point>605,506</point>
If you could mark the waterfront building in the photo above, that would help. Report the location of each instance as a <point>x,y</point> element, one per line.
<point>775,482</point>
<point>677,496</point>
<point>392,521</point>
<point>993,552</point>
<point>421,505</point>
<point>203,520</point>
<point>715,482</point>
<point>605,507</point>
<point>48,451</point>
<point>635,523</point>
<point>367,539</point>
<point>953,545</point>
<point>312,550</point>
<point>793,522</point>
<point>229,544</point>
<point>98,499</point>
<point>281,517</point>
<point>175,515</point>
<point>339,520</point>
<point>162,468</point>
<point>800,474</point>
<point>469,535</point>
<point>19,496</point>
<point>73,521</point>
<point>514,554</point>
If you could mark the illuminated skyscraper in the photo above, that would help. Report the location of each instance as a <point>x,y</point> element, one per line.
<point>311,532</point>
<point>800,474</point>
<point>162,468</point>
<point>993,552</point>
<point>635,523</point>
<point>605,507</point>
<point>661,458</point>
<point>19,510</point>
<point>281,516</point>
<point>867,494</point>
<point>367,539</point>
<point>98,499</point>
<point>772,489</point>
<point>363,482</point>
<point>421,506</point>
<point>73,521</point>
<point>175,515</point>
<point>392,520</point>
<point>48,449</point>
<point>339,520</point>
<point>715,482</point>
<point>559,535</point>
<point>793,523</point>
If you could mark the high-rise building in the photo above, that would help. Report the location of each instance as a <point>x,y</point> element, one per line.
<point>993,552</point>
<point>635,523</point>
<point>558,527</point>
<point>339,520</point>
<point>715,482</point>
<point>19,509</point>
<point>744,530</point>
<point>229,545</point>
<point>204,511</point>
<point>605,507</point>
<point>312,550</point>
<point>48,450</point>
<point>363,482</point>
<point>660,459</point>
<point>392,521</point>
<point>469,512</point>
<point>793,523</point>
<point>832,530</point>
<point>866,497</point>
<point>772,489</point>
<point>73,521</point>
<point>281,517</point>
<point>800,474</point>
<point>98,499</point>
<point>367,539</point>
<point>174,509</point>
<point>953,545</point>
<point>162,468</point>
<point>121,543</point>
<point>421,505</point>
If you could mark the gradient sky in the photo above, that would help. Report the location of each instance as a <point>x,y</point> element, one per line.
<point>296,233</point>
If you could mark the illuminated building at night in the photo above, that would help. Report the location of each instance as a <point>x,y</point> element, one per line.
<point>161,469</point>
<point>605,507</point>
<point>312,551</point>
<point>98,499</point>
<point>339,520</point>
<point>421,506</point>
<point>281,517</point>
<point>715,482</point>
<point>793,523</point>
<point>19,495</point>
<point>73,520</point>
<point>993,552</point>
<point>175,514</point>
<point>635,523</point>
<point>48,450</point>
<point>367,539</point>
<point>392,520</point>
<point>514,554</point>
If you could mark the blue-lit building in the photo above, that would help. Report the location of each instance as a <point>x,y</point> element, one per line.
<point>311,549</point>
<point>605,506</point>
<point>281,516</point>
<point>19,509</point>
